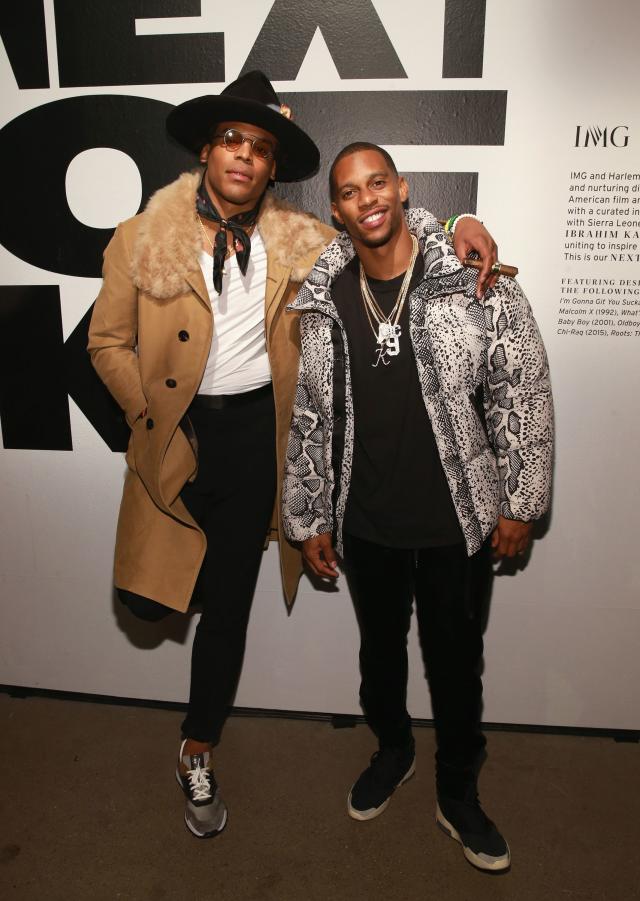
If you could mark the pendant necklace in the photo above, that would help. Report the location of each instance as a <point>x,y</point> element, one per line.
<point>385,329</point>
<point>236,243</point>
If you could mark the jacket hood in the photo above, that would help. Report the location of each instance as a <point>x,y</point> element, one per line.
<point>169,241</point>
<point>443,271</point>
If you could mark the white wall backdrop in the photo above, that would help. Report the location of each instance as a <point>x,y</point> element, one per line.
<point>563,635</point>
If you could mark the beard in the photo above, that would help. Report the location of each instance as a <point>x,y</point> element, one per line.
<point>380,241</point>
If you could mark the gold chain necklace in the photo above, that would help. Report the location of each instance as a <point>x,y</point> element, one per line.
<point>205,233</point>
<point>386,330</point>
<point>210,242</point>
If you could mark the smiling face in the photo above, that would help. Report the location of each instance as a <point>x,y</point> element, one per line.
<point>236,179</point>
<point>368,198</point>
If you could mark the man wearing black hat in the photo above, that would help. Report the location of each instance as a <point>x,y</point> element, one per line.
<point>188,334</point>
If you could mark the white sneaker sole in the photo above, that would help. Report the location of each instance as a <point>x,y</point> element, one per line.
<point>192,829</point>
<point>197,834</point>
<point>374,812</point>
<point>493,865</point>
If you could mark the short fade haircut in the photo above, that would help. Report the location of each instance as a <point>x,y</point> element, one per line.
<point>349,150</point>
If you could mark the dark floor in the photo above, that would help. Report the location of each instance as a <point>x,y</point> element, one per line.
<point>90,810</point>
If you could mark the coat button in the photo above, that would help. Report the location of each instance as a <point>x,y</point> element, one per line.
<point>182,335</point>
<point>150,423</point>
<point>171,383</point>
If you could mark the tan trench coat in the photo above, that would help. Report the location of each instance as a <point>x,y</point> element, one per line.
<point>149,341</point>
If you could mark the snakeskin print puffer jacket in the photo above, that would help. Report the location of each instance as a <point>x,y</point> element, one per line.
<point>485,381</point>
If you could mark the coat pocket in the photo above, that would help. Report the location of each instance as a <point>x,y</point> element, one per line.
<point>130,456</point>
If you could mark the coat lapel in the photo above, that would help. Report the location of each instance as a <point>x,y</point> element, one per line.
<point>197,283</point>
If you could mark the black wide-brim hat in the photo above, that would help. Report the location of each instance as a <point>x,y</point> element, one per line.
<point>249,99</point>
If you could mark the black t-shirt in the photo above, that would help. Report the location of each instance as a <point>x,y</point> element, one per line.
<point>399,496</point>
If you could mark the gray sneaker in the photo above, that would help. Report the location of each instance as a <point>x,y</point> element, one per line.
<point>205,813</point>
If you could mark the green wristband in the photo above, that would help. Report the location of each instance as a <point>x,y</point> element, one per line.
<point>449,223</point>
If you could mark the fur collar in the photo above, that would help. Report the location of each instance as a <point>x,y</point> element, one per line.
<point>168,241</point>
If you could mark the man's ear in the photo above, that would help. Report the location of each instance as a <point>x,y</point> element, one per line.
<point>204,153</point>
<point>272,174</point>
<point>336,215</point>
<point>403,188</point>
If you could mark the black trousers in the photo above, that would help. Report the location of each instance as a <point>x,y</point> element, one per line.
<point>450,591</point>
<point>232,500</point>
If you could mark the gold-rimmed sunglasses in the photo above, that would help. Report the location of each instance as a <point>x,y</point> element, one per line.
<point>261,147</point>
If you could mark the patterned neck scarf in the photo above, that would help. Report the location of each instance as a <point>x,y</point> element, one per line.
<point>236,224</point>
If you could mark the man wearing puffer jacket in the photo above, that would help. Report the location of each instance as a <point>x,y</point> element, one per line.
<point>420,446</point>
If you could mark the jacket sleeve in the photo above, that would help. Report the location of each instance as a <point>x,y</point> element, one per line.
<point>304,483</point>
<point>113,331</point>
<point>518,403</point>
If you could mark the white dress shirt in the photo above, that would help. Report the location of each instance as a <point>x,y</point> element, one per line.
<point>238,360</point>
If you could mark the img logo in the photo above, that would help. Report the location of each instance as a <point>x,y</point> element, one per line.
<point>593,135</point>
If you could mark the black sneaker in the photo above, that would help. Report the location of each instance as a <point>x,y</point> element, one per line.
<point>467,823</point>
<point>389,768</point>
<point>205,813</point>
